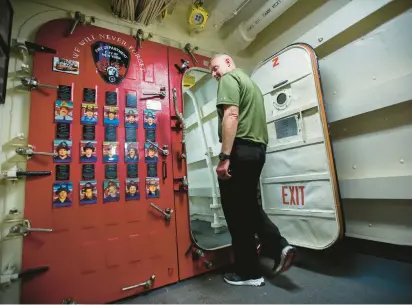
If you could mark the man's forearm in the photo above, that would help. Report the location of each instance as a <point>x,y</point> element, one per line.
<point>229,129</point>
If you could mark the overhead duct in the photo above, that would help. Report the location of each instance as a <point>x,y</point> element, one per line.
<point>246,32</point>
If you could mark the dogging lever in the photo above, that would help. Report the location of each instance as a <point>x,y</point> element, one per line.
<point>189,50</point>
<point>183,67</point>
<point>14,173</point>
<point>29,152</point>
<point>164,150</point>
<point>77,18</point>
<point>25,228</point>
<point>162,92</point>
<point>197,254</point>
<point>33,83</point>
<point>27,273</point>
<point>147,284</point>
<point>167,213</point>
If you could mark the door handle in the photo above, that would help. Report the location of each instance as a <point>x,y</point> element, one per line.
<point>162,92</point>
<point>33,83</point>
<point>14,173</point>
<point>9,277</point>
<point>27,47</point>
<point>25,228</point>
<point>197,254</point>
<point>77,18</point>
<point>167,213</point>
<point>164,170</point>
<point>183,67</point>
<point>29,151</point>
<point>183,184</point>
<point>147,284</point>
<point>189,50</point>
<point>163,150</point>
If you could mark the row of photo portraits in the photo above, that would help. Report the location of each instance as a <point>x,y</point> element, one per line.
<point>110,152</point>
<point>63,113</point>
<point>63,191</point>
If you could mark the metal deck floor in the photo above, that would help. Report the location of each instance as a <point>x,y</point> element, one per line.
<point>334,277</point>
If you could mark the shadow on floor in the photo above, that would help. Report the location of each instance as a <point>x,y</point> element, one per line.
<point>339,275</point>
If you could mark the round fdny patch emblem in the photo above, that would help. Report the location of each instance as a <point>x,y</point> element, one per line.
<point>112,61</point>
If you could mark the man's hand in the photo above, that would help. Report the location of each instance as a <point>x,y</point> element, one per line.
<point>222,170</point>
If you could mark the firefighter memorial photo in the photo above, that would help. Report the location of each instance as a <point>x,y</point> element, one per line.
<point>152,188</point>
<point>111,116</point>
<point>132,189</point>
<point>63,112</point>
<point>88,151</point>
<point>88,192</point>
<point>62,194</point>
<point>111,191</point>
<point>62,149</point>
<point>89,114</point>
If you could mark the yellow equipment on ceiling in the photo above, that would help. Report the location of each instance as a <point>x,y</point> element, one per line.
<point>197,17</point>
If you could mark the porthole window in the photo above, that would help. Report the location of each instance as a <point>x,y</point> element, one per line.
<point>281,99</point>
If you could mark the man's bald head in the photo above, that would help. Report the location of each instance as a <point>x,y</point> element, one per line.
<point>221,64</point>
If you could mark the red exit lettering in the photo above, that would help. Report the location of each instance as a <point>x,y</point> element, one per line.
<point>293,195</point>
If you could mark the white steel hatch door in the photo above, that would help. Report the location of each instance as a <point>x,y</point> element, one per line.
<point>299,189</point>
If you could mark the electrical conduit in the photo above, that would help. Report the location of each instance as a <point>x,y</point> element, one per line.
<point>246,32</point>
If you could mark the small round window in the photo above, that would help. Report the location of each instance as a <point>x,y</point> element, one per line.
<point>281,99</point>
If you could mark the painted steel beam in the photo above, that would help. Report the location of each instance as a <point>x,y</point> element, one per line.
<point>344,18</point>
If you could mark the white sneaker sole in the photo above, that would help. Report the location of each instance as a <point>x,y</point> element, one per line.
<point>256,282</point>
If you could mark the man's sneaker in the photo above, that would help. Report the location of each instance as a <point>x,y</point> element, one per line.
<point>286,258</point>
<point>234,279</point>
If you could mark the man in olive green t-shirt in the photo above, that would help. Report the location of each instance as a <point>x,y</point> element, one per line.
<point>242,130</point>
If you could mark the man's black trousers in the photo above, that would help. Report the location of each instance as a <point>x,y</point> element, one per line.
<point>244,216</point>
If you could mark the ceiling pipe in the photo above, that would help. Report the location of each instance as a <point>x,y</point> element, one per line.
<point>246,32</point>
<point>223,11</point>
<point>233,14</point>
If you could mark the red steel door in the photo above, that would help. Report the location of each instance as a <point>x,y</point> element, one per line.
<point>106,236</point>
<point>188,267</point>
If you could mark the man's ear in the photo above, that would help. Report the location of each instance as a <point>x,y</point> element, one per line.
<point>227,60</point>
